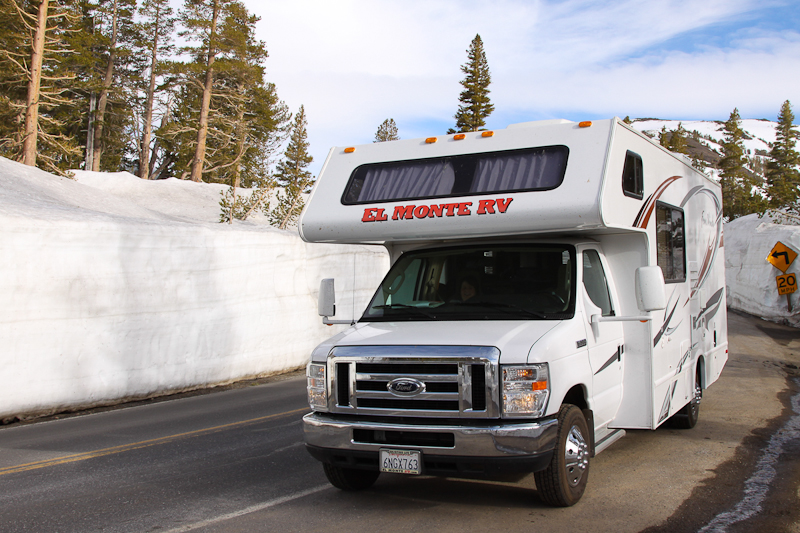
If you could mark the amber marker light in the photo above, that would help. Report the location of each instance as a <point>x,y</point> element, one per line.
<point>539,385</point>
<point>430,140</point>
<point>459,137</point>
<point>585,124</point>
<point>487,134</point>
<point>349,150</point>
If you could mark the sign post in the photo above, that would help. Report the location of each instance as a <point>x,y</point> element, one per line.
<point>781,257</point>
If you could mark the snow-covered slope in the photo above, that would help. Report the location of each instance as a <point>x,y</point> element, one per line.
<point>760,132</point>
<point>115,287</point>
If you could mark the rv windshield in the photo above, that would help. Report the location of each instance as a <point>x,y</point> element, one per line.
<point>501,282</point>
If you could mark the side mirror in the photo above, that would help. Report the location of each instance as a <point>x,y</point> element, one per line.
<point>650,289</point>
<point>326,305</point>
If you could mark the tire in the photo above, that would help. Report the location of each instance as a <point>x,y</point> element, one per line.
<point>562,483</point>
<point>687,417</point>
<point>350,478</point>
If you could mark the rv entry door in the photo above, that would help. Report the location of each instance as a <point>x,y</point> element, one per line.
<point>604,341</point>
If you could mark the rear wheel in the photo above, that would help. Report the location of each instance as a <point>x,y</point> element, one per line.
<point>562,483</point>
<point>687,417</point>
<point>350,478</point>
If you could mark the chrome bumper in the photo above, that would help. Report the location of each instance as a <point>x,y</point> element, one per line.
<point>501,439</point>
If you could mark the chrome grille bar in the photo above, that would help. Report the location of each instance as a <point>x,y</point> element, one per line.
<point>450,381</point>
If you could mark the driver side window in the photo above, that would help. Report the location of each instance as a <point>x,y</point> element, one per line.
<point>594,280</point>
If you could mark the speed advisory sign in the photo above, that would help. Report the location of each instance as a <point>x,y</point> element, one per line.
<point>787,283</point>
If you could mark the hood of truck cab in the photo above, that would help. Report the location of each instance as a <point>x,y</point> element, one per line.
<point>514,338</point>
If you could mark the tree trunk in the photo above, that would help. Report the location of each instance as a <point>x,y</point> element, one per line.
<point>289,212</point>
<point>237,171</point>
<point>144,155</point>
<point>87,165</point>
<point>202,131</point>
<point>101,104</point>
<point>29,151</point>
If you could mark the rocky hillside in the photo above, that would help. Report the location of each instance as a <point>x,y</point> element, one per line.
<point>704,139</point>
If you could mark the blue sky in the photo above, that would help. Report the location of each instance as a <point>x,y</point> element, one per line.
<point>354,63</point>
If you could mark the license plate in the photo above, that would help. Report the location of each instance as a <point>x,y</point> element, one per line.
<point>401,461</point>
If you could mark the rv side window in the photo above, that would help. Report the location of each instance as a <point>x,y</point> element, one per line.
<point>530,169</point>
<point>633,176</point>
<point>594,280</point>
<point>670,243</point>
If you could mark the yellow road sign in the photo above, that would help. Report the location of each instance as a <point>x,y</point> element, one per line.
<point>787,283</point>
<point>781,256</point>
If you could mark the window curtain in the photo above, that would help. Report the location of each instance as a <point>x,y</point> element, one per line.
<point>538,170</point>
<point>417,180</point>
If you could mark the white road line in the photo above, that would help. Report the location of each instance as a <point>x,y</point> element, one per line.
<point>756,488</point>
<point>248,510</point>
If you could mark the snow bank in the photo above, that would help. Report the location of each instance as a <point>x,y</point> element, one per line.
<point>115,287</point>
<point>750,279</point>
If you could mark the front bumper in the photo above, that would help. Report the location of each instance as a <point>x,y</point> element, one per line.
<point>468,448</point>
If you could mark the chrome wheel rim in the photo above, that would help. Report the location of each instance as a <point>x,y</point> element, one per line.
<point>576,456</point>
<point>694,405</point>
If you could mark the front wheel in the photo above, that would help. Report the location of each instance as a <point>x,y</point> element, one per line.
<point>350,478</point>
<point>562,483</point>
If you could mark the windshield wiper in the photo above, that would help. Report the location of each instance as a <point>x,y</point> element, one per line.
<point>509,308</point>
<point>419,310</point>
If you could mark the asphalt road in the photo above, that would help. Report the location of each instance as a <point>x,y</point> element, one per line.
<point>234,461</point>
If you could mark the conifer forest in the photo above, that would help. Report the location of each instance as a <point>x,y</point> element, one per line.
<point>137,86</point>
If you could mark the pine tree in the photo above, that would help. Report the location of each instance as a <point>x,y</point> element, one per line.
<point>387,131</point>
<point>246,122</point>
<point>663,137</point>
<point>225,126</point>
<point>292,175</point>
<point>674,140</point>
<point>736,181</point>
<point>34,82</point>
<point>103,95</point>
<point>783,178</point>
<point>249,121</point>
<point>118,17</point>
<point>156,33</point>
<point>201,19</point>
<point>475,105</point>
<point>677,140</point>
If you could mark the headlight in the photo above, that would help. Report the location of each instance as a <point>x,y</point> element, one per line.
<point>317,387</point>
<point>526,389</point>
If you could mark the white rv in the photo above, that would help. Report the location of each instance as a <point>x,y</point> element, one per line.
<point>552,284</point>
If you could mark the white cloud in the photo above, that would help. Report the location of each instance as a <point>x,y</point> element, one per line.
<point>353,63</point>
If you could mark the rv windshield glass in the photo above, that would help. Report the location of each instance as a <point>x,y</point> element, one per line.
<point>502,282</point>
<point>530,169</point>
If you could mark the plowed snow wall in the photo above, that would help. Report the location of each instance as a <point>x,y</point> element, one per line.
<point>97,310</point>
<point>750,279</point>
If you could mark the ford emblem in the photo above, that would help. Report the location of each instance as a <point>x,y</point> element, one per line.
<point>405,387</point>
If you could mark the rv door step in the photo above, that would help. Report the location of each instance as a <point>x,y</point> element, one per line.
<point>608,440</point>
